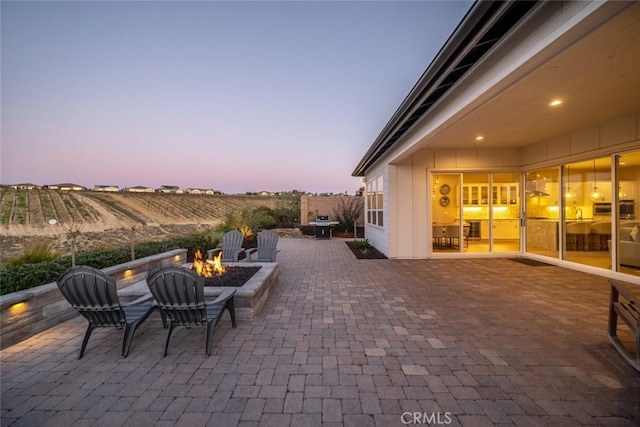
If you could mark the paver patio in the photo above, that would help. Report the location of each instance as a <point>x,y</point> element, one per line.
<point>349,342</point>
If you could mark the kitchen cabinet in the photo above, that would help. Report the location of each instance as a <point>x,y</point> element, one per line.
<point>478,194</point>
<point>504,194</point>
<point>627,190</point>
<point>484,229</point>
<point>506,229</point>
<point>475,195</point>
<point>502,229</point>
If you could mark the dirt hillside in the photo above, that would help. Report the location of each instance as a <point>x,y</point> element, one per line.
<point>106,219</point>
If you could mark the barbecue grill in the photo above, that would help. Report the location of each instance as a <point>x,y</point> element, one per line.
<point>323,225</point>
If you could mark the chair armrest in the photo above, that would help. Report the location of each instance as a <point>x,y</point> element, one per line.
<point>250,251</point>
<point>223,297</point>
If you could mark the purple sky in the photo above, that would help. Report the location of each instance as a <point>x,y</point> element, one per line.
<point>235,96</point>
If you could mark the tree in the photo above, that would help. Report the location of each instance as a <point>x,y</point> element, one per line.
<point>347,211</point>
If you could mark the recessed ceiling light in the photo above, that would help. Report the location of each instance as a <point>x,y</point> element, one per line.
<point>555,103</point>
<point>479,138</point>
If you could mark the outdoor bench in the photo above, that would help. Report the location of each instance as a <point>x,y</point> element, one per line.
<point>626,306</point>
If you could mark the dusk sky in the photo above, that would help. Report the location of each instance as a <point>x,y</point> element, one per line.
<point>234,96</point>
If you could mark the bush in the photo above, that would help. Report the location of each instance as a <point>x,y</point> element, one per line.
<point>38,252</point>
<point>247,221</point>
<point>287,207</point>
<point>18,277</point>
<point>363,245</point>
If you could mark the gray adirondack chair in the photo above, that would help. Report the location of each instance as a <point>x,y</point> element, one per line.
<point>231,247</point>
<point>94,295</point>
<point>179,294</point>
<point>266,250</point>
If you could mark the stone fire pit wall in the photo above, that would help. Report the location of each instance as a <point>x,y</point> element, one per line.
<point>26,313</point>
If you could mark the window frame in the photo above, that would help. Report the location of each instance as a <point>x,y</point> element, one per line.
<point>374,190</point>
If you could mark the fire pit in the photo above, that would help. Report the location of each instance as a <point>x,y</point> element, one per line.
<point>216,274</point>
<point>250,297</point>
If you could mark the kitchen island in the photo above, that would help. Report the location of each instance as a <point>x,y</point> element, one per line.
<point>542,234</point>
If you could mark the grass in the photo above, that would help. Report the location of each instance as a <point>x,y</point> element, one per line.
<point>37,252</point>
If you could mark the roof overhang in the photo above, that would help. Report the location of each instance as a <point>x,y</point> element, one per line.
<point>593,69</point>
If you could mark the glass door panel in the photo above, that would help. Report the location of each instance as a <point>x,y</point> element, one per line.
<point>628,185</point>
<point>475,214</point>
<point>447,194</point>
<point>587,212</point>
<point>542,210</point>
<point>506,212</point>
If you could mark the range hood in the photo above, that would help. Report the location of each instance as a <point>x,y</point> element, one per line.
<point>532,190</point>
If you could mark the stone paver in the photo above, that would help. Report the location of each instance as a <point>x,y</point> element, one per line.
<point>353,343</point>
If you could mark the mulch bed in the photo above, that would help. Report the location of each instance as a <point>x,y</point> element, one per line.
<point>233,277</point>
<point>371,253</point>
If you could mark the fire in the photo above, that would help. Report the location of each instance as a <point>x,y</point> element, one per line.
<point>208,267</point>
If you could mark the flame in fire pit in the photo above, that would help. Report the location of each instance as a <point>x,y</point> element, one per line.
<point>208,267</point>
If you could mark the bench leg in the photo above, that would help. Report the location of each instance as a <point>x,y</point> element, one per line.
<point>613,316</point>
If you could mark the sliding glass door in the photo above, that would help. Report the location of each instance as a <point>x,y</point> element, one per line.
<point>476,212</point>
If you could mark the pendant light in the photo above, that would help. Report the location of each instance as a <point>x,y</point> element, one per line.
<point>596,196</point>
<point>569,194</point>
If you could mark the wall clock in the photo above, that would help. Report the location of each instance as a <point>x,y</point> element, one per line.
<point>444,201</point>
<point>445,189</point>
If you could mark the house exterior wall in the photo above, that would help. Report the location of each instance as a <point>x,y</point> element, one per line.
<point>408,205</point>
<point>379,236</point>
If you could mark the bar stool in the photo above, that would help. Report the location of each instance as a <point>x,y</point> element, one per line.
<point>600,233</point>
<point>579,232</point>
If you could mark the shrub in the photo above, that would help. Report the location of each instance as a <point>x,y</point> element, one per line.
<point>363,245</point>
<point>17,277</point>
<point>287,207</point>
<point>35,253</point>
<point>247,221</point>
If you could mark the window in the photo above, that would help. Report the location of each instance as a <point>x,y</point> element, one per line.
<point>375,203</point>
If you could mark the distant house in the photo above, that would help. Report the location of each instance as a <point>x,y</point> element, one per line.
<point>140,189</point>
<point>66,187</point>
<point>26,186</point>
<point>170,189</point>
<point>265,193</point>
<point>111,188</point>
<point>201,191</point>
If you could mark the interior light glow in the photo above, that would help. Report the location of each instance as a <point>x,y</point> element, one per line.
<point>555,103</point>
<point>479,138</point>
<point>471,208</point>
<point>500,208</point>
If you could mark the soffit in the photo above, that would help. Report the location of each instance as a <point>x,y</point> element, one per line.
<point>597,78</point>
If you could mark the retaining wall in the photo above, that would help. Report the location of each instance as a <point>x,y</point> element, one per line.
<point>28,312</point>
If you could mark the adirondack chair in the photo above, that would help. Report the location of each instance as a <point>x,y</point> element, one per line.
<point>179,294</point>
<point>94,295</point>
<point>266,250</point>
<point>231,247</point>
